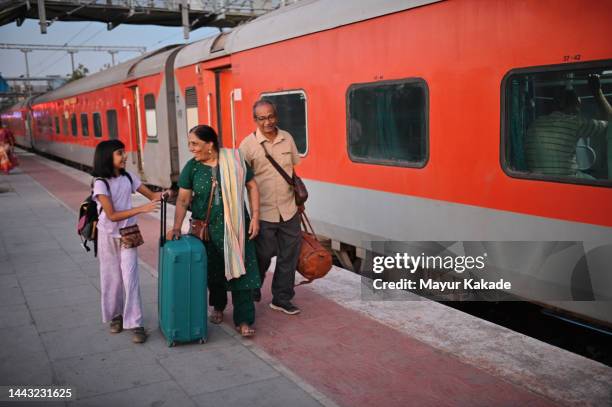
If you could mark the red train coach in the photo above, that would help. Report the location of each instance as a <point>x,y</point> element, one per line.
<point>127,102</point>
<point>411,117</point>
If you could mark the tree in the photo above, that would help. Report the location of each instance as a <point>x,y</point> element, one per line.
<point>79,73</point>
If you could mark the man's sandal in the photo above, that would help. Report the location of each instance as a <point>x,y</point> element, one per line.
<point>216,317</point>
<point>245,330</point>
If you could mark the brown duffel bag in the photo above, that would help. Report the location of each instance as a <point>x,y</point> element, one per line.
<point>315,261</point>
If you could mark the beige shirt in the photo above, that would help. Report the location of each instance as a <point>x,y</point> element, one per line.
<point>276,197</point>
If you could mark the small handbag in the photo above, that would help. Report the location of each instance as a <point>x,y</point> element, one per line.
<point>199,228</point>
<point>299,189</point>
<point>131,237</point>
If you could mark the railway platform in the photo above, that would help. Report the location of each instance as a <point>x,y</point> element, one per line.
<point>340,351</point>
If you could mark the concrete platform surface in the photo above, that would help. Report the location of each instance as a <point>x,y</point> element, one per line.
<point>341,350</point>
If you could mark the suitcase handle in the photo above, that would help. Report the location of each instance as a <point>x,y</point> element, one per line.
<point>162,223</point>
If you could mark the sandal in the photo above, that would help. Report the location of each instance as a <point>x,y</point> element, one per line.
<point>245,330</point>
<point>139,335</point>
<point>116,324</point>
<point>216,317</point>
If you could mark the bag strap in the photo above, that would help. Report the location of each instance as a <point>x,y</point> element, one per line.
<point>277,166</point>
<point>127,174</point>
<point>107,188</point>
<point>210,198</point>
<point>305,221</point>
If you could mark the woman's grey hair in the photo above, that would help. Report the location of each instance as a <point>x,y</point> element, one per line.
<point>263,102</point>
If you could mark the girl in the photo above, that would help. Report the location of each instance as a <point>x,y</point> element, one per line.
<point>119,284</point>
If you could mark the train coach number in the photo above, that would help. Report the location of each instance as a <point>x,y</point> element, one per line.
<point>568,58</point>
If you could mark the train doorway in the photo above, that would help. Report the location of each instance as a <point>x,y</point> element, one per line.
<point>135,128</point>
<point>224,107</point>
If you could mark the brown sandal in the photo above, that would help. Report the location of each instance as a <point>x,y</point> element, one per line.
<point>216,317</point>
<point>245,330</point>
<point>116,325</point>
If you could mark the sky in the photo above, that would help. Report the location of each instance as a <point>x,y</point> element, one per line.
<point>43,63</point>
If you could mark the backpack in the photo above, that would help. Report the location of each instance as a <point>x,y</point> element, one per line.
<point>88,217</point>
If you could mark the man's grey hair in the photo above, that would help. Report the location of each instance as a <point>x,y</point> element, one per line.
<point>263,102</point>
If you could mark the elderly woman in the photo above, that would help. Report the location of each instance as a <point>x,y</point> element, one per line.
<point>213,183</point>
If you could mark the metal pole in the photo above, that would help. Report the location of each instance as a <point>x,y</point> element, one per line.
<point>72,60</point>
<point>25,53</point>
<point>42,16</point>
<point>112,53</point>
<point>185,18</point>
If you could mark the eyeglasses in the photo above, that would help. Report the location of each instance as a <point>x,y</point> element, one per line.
<point>269,118</point>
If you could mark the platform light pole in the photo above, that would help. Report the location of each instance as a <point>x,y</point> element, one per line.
<point>112,54</point>
<point>27,64</point>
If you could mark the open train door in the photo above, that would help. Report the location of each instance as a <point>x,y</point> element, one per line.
<point>134,145</point>
<point>225,107</point>
<point>29,137</point>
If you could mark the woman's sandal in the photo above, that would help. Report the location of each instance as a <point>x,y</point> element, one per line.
<point>216,317</point>
<point>245,330</point>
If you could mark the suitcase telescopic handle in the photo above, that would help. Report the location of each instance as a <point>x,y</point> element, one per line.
<point>162,223</point>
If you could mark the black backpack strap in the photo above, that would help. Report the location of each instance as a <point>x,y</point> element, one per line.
<point>107,188</point>
<point>127,174</point>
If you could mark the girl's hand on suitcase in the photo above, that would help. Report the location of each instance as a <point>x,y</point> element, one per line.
<point>173,234</point>
<point>152,206</point>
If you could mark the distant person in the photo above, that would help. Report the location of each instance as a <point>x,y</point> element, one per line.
<point>551,140</point>
<point>118,237</point>
<point>8,159</point>
<point>218,176</point>
<point>280,232</point>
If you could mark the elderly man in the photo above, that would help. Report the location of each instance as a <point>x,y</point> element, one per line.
<point>279,232</point>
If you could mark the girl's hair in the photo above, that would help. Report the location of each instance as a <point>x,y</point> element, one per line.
<point>206,134</point>
<point>103,166</point>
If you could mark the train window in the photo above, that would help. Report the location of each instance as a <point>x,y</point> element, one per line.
<point>556,123</point>
<point>57,126</point>
<point>73,124</point>
<point>387,123</point>
<point>150,115</point>
<point>84,125</point>
<point>97,125</point>
<point>111,122</point>
<point>191,107</point>
<point>65,124</point>
<point>292,115</point>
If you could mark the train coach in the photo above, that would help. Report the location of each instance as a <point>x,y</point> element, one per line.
<point>411,117</point>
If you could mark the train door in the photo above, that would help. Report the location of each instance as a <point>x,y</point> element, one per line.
<point>135,128</point>
<point>29,137</point>
<point>225,107</point>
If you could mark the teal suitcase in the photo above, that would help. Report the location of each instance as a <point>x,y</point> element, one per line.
<point>182,287</point>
